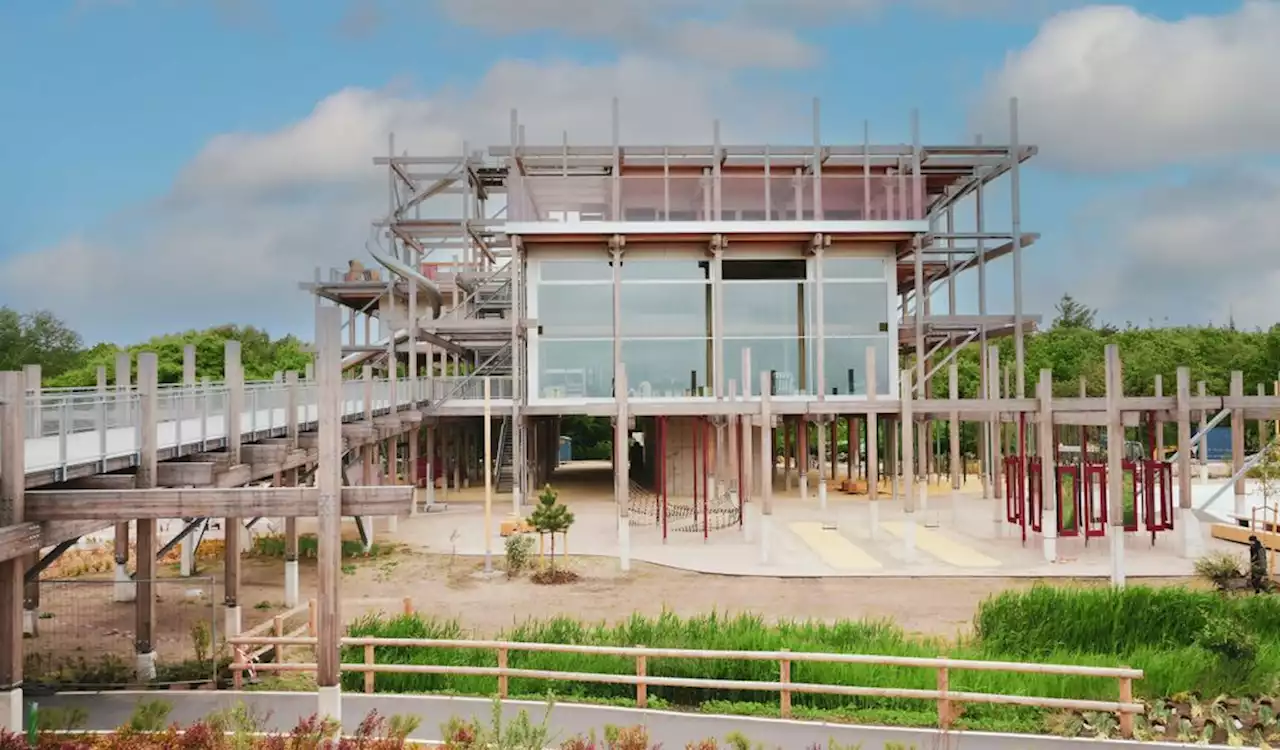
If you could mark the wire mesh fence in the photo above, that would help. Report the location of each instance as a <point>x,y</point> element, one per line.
<point>85,638</point>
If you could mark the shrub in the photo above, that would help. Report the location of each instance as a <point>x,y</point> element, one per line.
<point>519,549</point>
<point>1220,568</point>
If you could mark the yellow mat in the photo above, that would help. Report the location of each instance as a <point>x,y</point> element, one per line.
<point>942,547</point>
<point>834,549</point>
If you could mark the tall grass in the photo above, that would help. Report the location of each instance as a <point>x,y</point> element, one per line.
<point>1162,631</point>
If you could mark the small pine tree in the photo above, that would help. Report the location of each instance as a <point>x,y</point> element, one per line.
<point>550,517</point>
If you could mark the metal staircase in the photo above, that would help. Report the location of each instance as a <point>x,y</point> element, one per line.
<point>503,469</point>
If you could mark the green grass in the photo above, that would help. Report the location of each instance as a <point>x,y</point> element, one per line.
<point>1185,640</point>
<point>272,545</point>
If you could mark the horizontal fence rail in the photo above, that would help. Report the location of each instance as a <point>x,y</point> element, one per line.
<point>945,699</point>
<point>67,427</point>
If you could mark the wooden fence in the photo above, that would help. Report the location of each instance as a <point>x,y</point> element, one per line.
<point>945,699</point>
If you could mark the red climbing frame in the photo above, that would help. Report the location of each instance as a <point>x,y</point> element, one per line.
<point>1035,495</point>
<point>1094,489</point>
<point>1157,496</point>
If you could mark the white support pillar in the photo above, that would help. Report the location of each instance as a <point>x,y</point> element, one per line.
<point>908,469</point>
<point>622,470</point>
<point>766,458</point>
<point>1190,537</point>
<point>1115,455</point>
<point>1045,443</point>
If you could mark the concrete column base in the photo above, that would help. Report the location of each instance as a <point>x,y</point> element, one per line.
<point>145,666</point>
<point>1117,556</point>
<point>1050,526</point>
<point>766,552</point>
<point>291,583</point>
<point>624,543</point>
<point>431,484</point>
<point>368,532</point>
<point>909,537</point>
<point>30,623</point>
<point>1242,505</point>
<point>231,629</point>
<point>187,557</point>
<point>11,710</point>
<point>329,703</point>
<point>125,589</point>
<point>1204,473</point>
<point>1190,535</point>
<point>923,496</point>
<point>804,488</point>
<point>822,494</point>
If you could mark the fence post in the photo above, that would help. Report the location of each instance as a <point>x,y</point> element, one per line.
<point>944,704</point>
<point>642,690</point>
<point>368,674</point>
<point>277,628</point>
<point>408,605</point>
<point>1126,718</point>
<point>502,675</point>
<point>785,678</point>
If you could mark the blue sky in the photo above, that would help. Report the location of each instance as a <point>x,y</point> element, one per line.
<point>122,173</point>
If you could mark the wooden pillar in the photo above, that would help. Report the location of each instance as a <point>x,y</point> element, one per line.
<point>329,484</point>
<point>909,446</point>
<point>1115,455</point>
<point>1263,424</point>
<point>953,428</point>
<point>414,438</point>
<point>1202,452</point>
<point>1158,423</point>
<point>996,449</point>
<point>232,528</point>
<point>748,486</point>
<point>1045,444</point>
<point>802,455</point>
<point>145,478</point>
<point>124,589</point>
<point>873,445</point>
<point>431,464</point>
<point>622,468</point>
<point>12,488</point>
<point>766,458</point>
<point>788,450</point>
<point>1188,526</point>
<point>1237,442</point>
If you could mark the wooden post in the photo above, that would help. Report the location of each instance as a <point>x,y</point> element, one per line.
<point>908,467</point>
<point>1115,456</point>
<point>368,674</point>
<point>748,485</point>
<point>766,458</point>
<point>784,676</point>
<point>945,712</point>
<point>406,606</point>
<point>502,677</point>
<point>488,477</point>
<point>1237,443</point>
<point>12,487</point>
<point>1263,424</point>
<point>996,447</point>
<point>873,445</point>
<point>1126,718</point>
<point>1046,444</point>
<point>291,581</point>
<point>1158,424</point>
<point>145,478</point>
<point>232,528</point>
<point>277,630</point>
<point>1188,526</point>
<point>329,483</point>
<point>622,468</point>
<point>953,392</point>
<point>642,690</point>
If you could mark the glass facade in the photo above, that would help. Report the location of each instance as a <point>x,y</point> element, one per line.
<point>666,325</point>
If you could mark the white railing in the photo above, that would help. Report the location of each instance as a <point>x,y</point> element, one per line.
<point>68,427</point>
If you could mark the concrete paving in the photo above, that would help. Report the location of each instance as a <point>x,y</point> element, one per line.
<point>956,536</point>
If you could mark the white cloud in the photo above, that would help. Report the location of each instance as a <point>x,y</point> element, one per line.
<point>252,214</point>
<point>1107,88</point>
<point>1200,251</point>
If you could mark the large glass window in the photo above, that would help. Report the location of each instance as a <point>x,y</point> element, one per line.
<point>666,326</point>
<point>767,307</point>
<point>574,310</point>
<point>855,308</point>
<point>575,368</point>
<point>845,362</point>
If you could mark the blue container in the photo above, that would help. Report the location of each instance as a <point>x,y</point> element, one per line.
<point>566,449</point>
<point>1217,444</point>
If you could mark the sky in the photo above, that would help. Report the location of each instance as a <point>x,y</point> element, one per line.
<point>171,164</point>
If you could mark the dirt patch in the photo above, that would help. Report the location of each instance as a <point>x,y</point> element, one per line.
<point>85,620</point>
